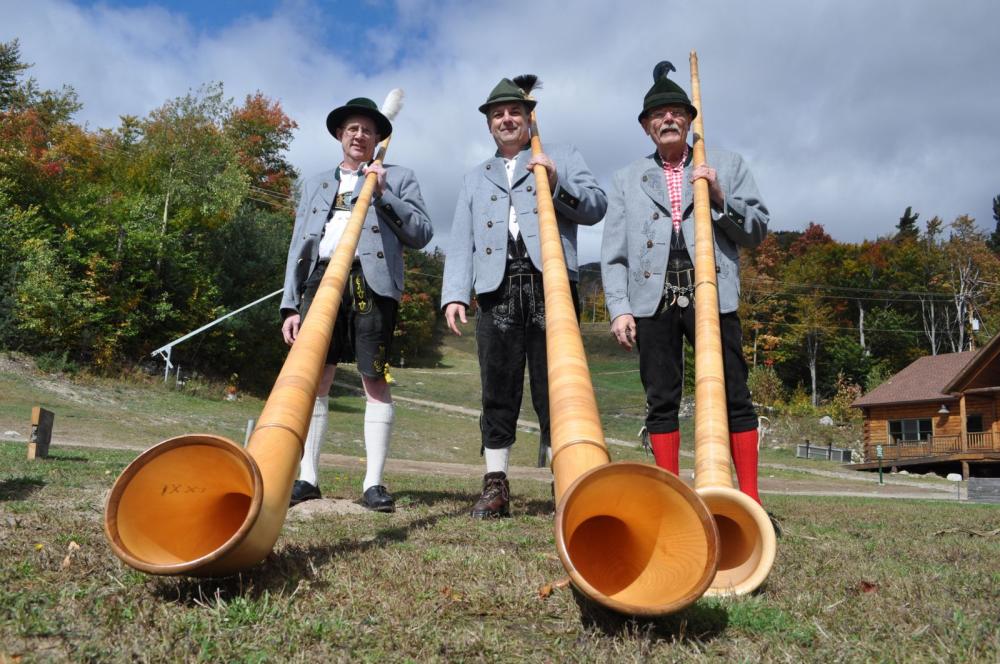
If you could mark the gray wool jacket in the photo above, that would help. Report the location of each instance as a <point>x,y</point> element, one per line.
<point>397,219</point>
<point>477,251</point>
<point>637,230</point>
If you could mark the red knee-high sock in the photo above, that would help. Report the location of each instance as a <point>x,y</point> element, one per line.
<point>666,450</point>
<point>743,446</point>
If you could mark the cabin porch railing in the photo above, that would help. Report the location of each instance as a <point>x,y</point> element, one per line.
<point>938,445</point>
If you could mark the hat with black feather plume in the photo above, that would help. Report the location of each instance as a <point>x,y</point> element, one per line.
<point>507,90</point>
<point>665,92</point>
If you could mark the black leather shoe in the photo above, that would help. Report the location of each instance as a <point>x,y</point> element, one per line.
<point>303,491</point>
<point>377,499</point>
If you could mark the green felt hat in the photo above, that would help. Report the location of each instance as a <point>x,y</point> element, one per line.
<point>507,90</point>
<point>358,106</point>
<point>665,92</point>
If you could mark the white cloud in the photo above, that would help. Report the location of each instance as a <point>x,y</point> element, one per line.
<point>848,111</point>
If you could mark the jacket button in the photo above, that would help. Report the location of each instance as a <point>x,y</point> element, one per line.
<point>376,229</point>
<point>326,184</point>
<point>646,274</point>
<point>380,255</point>
<point>644,178</point>
<point>488,251</point>
<point>656,215</point>
<point>529,187</point>
<point>487,167</point>
<point>314,210</point>
<point>649,243</point>
<point>535,210</point>
<point>493,197</point>
<point>489,224</point>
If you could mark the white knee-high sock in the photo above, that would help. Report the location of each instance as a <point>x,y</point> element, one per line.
<point>309,466</point>
<point>497,460</point>
<point>378,428</point>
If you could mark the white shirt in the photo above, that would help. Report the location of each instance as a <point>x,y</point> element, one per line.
<point>337,223</point>
<point>512,226</point>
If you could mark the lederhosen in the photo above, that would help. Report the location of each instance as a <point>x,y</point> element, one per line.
<point>510,329</point>
<point>365,321</point>
<point>661,350</point>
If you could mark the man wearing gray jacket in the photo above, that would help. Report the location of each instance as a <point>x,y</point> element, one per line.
<point>647,264</point>
<point>367,316</point>
<point>495,250</point>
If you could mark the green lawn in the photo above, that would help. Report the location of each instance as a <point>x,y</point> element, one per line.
<point>854,580</point>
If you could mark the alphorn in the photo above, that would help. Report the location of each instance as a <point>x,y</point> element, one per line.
<point>633,537</point>
<point>200,505</point>
<point>746,537</point>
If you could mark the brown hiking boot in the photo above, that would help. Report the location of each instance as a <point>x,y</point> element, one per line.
<point>494,503</point>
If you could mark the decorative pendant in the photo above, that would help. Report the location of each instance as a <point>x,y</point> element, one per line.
<point>683,301</point>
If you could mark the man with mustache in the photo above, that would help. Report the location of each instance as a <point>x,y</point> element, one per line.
<point>648,270</point>
<point>367,316</point>
<point>495,249</point>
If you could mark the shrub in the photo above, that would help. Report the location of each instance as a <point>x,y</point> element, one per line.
<point>765,386</point>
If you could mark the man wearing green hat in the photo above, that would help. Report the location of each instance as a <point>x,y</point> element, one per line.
<point>647,264</point>
<point>495,250</point>
<point>367,316</point>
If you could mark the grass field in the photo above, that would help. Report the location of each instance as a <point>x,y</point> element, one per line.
<point>855,580</point>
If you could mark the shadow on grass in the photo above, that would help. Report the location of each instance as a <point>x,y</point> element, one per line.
<point>430,498</point>
<point>533,507</point>
<point>699,622</point>
<point>282,572</point>
<point>59,457</point>
<point>19,488</point>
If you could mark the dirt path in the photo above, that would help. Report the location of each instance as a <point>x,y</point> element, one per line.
<point>827,483</point>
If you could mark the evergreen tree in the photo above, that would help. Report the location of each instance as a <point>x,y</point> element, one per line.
<point>907,226</point>
<point>994,240</point>
<point>10,70</point>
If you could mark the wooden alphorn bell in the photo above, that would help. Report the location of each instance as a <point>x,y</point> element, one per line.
<point>200,505</point>
<point>747,541</point>
<point>633,537</point>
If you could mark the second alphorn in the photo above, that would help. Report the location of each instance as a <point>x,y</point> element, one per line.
<point>633,537</point>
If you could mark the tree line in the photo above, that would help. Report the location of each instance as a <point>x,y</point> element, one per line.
<point>116,241</point>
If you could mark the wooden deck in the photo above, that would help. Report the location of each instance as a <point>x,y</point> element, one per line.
<point>944,454</point>
<point>976,444</point>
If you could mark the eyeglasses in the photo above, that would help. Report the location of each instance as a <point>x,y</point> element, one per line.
<point>675,112</point>
<point>354,130</point>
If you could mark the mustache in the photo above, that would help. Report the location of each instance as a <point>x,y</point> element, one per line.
<point>669,126</point>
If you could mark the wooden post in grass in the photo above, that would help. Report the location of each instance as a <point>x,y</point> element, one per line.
<point>41,432</point>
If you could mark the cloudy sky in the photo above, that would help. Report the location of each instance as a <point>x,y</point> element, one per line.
<point>848,110</point>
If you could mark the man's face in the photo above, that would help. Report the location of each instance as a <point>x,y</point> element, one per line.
<point>509,124</point>
<point>668,126</point>
<point>358,137</point>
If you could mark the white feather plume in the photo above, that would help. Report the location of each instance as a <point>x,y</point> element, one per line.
<point>393,103</point>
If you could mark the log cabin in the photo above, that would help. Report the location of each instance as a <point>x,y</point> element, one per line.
<point>939,414</point>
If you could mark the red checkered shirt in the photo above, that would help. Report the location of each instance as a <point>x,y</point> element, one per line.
<point>674,174</point>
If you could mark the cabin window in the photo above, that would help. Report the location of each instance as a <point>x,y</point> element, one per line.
<point>974,424</point>
<point>909,430</point>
